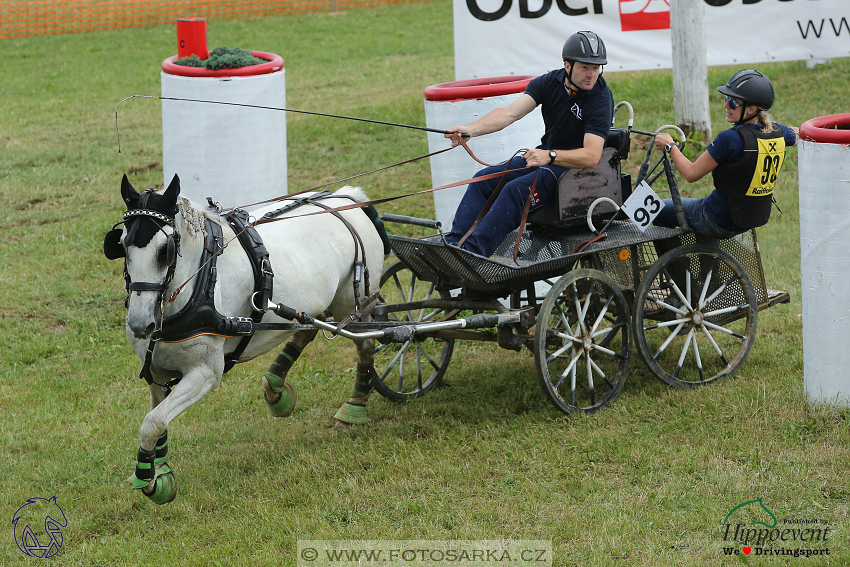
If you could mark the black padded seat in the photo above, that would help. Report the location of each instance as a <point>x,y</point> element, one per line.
<point>579,188</point>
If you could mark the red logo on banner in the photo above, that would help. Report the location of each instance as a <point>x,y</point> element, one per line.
<point>644,15</point>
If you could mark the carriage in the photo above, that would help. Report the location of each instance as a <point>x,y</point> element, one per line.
<point>574,295</point>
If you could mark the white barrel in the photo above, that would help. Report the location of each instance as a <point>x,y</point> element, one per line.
<point>459,103</point>
<point>824,175</point>
<point>234,154</point>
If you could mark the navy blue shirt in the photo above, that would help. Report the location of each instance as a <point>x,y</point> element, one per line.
<point>568,118</point>
<point>728,147</point>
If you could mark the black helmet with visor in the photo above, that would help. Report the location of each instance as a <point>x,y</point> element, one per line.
<point>752,87</point>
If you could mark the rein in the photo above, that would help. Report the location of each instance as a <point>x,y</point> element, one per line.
<point>461,142</point>
<point>431,190</point>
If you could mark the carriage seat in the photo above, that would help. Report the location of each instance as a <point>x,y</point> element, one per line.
<point>578,188</point>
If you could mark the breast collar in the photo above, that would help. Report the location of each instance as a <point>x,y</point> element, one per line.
<point>199,316</point>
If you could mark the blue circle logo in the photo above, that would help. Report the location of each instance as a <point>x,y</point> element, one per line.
<point>38,530</point>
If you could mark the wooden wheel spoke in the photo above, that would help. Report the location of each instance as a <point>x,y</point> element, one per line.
<point>668,341</point>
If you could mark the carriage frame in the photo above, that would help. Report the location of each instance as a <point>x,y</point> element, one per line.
<point>578,300</point>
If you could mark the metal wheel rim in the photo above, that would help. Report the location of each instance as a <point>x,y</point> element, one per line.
<point>394,379</point>
<point>703,339</point>
<point>567,345</point>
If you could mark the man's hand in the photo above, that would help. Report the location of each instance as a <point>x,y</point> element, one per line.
<point>536,158</point>
<point>455,134</point>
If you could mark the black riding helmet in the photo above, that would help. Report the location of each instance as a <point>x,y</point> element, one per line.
<point>750,86</point>
<point>584,47</point>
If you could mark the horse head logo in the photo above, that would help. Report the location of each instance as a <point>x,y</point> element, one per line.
<point>39,512</point>
<point>755,511</point>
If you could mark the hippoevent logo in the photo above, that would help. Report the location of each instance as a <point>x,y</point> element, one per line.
<point>752,528</point>
<point>38,531</point>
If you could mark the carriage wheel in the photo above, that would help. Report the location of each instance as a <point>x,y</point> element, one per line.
<point>695,316</point>
<point>582,347</point>
<point>407,370</point>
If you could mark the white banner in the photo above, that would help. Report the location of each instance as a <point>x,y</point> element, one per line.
<point>504,37</point>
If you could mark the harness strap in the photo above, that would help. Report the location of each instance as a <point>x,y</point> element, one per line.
<point>582,246</point>
<point>359,248</point>
<point>297,203</point>
<point>356,315</point>
<point>146,367</point>
<point>525,210</point>
<point>258,255</point>
<point>489,203</point>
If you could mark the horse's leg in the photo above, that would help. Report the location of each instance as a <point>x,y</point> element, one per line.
<point>153,474</point>
<point>353,411</point>
<point>281,395</point>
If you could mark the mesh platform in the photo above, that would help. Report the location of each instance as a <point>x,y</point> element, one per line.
<point>623,255</point>
<point>541,256</point>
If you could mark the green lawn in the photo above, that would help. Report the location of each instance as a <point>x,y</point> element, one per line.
<point>647,481</point>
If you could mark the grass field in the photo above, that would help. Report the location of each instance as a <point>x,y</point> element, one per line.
<point>647,481</point>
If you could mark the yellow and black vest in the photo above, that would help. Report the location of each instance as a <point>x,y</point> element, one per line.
<point>748,183</point>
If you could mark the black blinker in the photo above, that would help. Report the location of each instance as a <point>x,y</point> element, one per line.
<point>112,247</point>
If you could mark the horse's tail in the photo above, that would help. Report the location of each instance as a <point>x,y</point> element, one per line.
<point>356,193</point>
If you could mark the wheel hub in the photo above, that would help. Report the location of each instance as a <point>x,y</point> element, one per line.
<point>698,318</point>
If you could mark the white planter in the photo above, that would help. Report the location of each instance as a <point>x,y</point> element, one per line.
<point>824,175</point>
<point>234,154</point>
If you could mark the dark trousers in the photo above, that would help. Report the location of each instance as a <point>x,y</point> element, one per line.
<point>506,212</point>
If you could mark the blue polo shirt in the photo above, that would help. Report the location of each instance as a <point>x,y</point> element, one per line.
<point>568,117</point>
<point>728,147</point>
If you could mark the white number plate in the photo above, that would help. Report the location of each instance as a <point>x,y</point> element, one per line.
<point>643,206</point>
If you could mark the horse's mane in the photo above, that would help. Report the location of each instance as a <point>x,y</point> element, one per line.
<point>356,193</point>
<point>194,216</point>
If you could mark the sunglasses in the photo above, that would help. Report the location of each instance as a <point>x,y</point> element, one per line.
<point>733,104</point>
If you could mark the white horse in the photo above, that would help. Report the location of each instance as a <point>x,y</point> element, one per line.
<point>163,240</point>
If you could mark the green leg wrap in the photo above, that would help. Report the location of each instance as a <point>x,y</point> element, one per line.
<point>352,413</point>
<point>276,377</point>
<point>144,468</point>
<point>276,374</point>
<point>161,449</point>
<point>363,382</point>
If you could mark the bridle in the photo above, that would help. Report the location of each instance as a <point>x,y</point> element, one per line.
<point>172,251</point>
<point>131,220</point>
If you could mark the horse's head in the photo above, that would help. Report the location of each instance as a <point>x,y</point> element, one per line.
<point>150,245</point>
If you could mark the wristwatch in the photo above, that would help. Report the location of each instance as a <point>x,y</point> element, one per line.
<point>669,147</point>
<point>552,155</point>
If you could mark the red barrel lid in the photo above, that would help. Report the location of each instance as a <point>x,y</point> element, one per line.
<point>273,63</point>
<point>478,88</point>
<point>834,129</point>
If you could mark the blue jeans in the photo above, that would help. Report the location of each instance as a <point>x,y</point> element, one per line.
<point>506,212</point>
<point>702,215</point>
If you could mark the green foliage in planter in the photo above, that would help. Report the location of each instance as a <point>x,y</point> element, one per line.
<point>222,58</point>
<point>191,61</point>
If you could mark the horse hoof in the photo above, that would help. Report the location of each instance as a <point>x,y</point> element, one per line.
<point>164,487</point>
<point>352,414</point>
<point>285,405</point>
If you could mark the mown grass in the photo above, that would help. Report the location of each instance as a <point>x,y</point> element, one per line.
<point>645,482</point>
